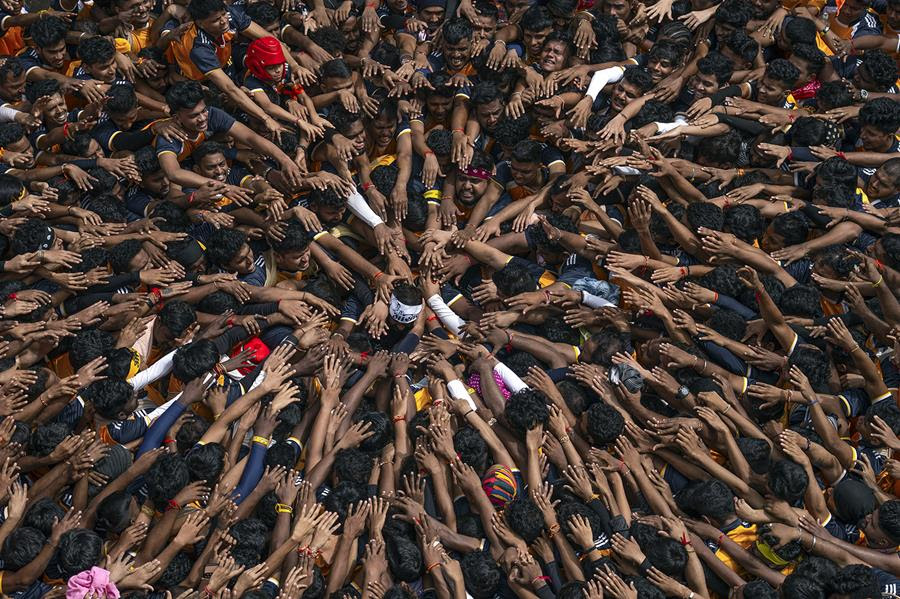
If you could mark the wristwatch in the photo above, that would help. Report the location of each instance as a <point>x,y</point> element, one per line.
<point>682,392</point>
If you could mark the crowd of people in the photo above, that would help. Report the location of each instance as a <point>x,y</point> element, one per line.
<point>402,299</point>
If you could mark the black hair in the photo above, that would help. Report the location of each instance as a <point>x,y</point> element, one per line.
<point>10,133</point>
<point>728,323</point>
<point>223,246</point>
<point>880,68</point>
<point>836,171</point>
<point>185,95</point>
<point>296,238</point>
<point>811,54</point>
<point>384,177</point>
<point>343,119</point>
<point>353,465</point>
<point>787,480</point>
<point>456,30</point>
<point>527,150</point>
<point>263,13</point>
<point>667,555</point>
<point>609,341</point>
<point>526,409</point>
<point>11,67</point>
<point>205,462</point>
<point>759,589</point>
<point>113,514</point>
<point>121,254</point>
<point>798,30</point>
<point>177,315</point>
<point>745,221</point>
<point>29,237</point>
<point>783,71</point>
<point>78,550</point>
<point>508,131</point>
<point>882,114</point>
<point>725,148</point>
<point>471,447</point>
<point>88,345</point>
<point>175,220</point>
<point>513,279</point>
<point>575,395</point>
<point>833,94</point>
<point>327,198</point>
<point>330,38</point>
<point>711,498</point>
<point>666,50</point>
<point>716,63</point>
<point>796,586</point>
<point>638,77</point>
<point>165,478</point>
<point>46,437</point>
<point>705,214</point>
<point>536,18</point>
<point>792,226</point>
<point>814,364</point>
<point>201,9</point>
<point>817,568</point>
<point>524,518</point>
<point>334,68</point>
<point>403,556</point>
<point>604,423</point>
<point>48,31</point>
<point>207,148</point>
<point>481,574</point>
<point>485,92</point>
<point>110,396</point>
<point>194,359</point>
<point>43,515</point>
<point>96,49</point>
<point>21,546</point>
<point>177,570</point>
<point>855,580</point>
<point>736,13</point>
<point>251,533</point>
<point>34,90</point>
<point>757,453</point>
<point>742,44</point>
<point>801,300</point>
<point>439,141</point>
<point>809,131</point>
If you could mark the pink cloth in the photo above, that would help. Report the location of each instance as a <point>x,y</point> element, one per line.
<point>94,582</point>
<point>475,383</point>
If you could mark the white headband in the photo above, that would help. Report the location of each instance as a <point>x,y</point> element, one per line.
<point>403,313</point>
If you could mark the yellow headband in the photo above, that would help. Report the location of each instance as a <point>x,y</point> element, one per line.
<point>135,364</point>
<point>768,553</point>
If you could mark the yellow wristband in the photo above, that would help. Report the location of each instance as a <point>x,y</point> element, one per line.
<point>260,440</point>
<point>283,508</point>
<point>878,282</point>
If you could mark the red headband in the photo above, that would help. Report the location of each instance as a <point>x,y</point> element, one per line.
<point>478,173</point>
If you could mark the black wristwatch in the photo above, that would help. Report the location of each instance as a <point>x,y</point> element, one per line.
<point>682,392</point>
